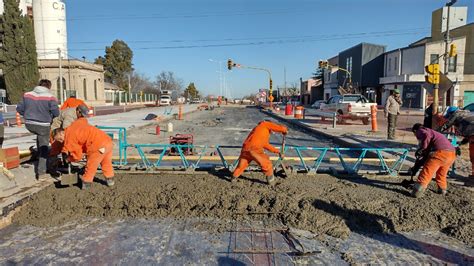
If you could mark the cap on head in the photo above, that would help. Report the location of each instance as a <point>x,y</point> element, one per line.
<point>396,91</point>
<point>451,110</point>
<point>415,127</point>
<point>83,110</point>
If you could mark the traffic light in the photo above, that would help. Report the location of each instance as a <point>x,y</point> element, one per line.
<point>452,50</point>
<point>323,64</point>
<point>271,84</point>
<point>433,73</point>
<point>230,64</point>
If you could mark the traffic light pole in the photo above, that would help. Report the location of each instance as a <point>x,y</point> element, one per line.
<point>446,57</point>
<point>435,106</point>
<point>269,77</point>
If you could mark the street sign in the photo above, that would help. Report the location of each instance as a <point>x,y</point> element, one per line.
<point>271,98</point>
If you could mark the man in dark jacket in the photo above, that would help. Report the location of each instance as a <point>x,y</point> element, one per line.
<point>38,108</point>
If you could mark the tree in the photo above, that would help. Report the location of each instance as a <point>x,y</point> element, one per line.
<point>166,80</point>
<point>140,82</point>
<point>191,92</point>
<point>319,74</point>
<point>117,63</point>
<point>18,57</point>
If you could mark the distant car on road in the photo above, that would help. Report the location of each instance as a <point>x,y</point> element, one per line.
<point>196,100</point>
<point>469,107</point>
<point>349,106</point>
<point>317,104</point>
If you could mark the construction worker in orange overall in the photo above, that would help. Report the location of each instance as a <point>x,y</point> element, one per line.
<point>72,102</point>
<point>82,138</point>
<point>440,154</point>
<point>252,149</point>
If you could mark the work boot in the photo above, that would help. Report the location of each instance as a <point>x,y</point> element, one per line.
<point>86,186</point>
<point>270,179</point>
<point>418,190</point>
<point>442,191</point>
<point>233,179</point>
<point>110,182</point>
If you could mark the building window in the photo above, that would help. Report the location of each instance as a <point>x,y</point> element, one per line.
<point>58,86</point>
<point>396,64</point>
<point>390,64</point>
<point>452,62</point>
<point>434,59</point>
<point>84,85</point>
<point>349,64</point>
<point>95,90</point>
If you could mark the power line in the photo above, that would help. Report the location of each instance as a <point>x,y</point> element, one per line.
<point>257,43</point>
<point>257,38</point>
<point>177,16</point>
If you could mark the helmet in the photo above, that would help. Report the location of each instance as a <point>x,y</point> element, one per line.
<point>451,110</point>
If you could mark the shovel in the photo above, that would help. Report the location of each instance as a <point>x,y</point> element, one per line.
<point>282,153</point>
<point>69,178</point>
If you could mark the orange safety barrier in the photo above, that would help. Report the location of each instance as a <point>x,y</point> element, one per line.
<point>18,119</point>
<point>373,113</point>
<point>299,112</point>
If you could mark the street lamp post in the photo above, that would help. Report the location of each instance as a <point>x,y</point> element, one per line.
<point>220,74</point>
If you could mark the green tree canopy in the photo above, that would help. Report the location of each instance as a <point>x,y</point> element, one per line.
<point>117,63</point>
<point>18,58</point>
<point>191,92</point>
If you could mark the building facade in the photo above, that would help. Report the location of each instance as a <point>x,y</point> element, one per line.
<point>365,63</point>
<point>310,91</point>
<point>330,78</point>
<point>84,79</point>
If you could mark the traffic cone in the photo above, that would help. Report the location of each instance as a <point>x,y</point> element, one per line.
<point>180,112</point>
<point>18,119</point>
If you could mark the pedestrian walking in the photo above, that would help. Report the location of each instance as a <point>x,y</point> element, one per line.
<point>392,110</point>
<point>38,108</point>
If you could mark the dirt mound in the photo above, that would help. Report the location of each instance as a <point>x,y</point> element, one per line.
<point>321,204</point>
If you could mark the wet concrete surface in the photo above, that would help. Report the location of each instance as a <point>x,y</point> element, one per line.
<point>171,242</point>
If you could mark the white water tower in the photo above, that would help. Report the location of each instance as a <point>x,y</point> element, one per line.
<point>50,28</point>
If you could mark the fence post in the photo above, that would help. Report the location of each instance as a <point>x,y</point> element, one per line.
<point>334,120</point>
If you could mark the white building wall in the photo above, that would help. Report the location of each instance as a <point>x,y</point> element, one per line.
<point>413,60</point>
<point>392,63</point>
<point>50,28</point>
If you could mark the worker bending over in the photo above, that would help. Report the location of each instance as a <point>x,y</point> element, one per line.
<point>463,122</point>
<point>82,138</point>
<point>252,149</point>
<point>440,157</point>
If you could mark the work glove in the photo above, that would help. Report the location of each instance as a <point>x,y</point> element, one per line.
<point>419,153</point>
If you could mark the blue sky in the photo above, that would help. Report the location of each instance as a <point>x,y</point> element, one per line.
<point>181,35</point>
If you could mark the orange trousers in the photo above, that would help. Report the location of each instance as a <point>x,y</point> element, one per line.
<point>437,164</point>
<point>471,153</point>
<point>94,159</point>
<point>246,157</point>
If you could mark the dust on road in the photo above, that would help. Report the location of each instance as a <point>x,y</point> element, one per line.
<point>322,204</point>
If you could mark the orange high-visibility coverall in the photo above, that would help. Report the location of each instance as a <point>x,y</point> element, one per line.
<point>72,103</point>
<point>80,138</point>
<point>256,142</point>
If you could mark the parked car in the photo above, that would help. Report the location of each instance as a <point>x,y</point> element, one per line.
<point>317,104</point>
<point>469,107</point>
<point>196,100</point>
<point>349,106</point>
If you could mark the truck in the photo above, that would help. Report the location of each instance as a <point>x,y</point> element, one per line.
<point>349,107</point>
<point>165,98</point>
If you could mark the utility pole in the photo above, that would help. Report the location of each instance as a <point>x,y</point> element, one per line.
<point>446,44</point>
<point>284,90</point>
<point>60,76</point>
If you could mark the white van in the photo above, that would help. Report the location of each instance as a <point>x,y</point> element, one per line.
<point>165,100</point>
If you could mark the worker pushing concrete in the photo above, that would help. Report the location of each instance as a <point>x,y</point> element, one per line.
<point>463,121</point>
<point>82,138</point>
<point>253,149</point>
<point>72,102</point>
<point>440,155</point>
